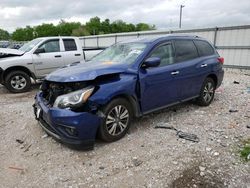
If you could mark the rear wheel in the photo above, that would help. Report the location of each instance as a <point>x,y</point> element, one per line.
<point>207,92</point>
<point>17,82</point>
<point>118,115</point>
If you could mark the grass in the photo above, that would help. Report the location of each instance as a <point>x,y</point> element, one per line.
<point>245,151</point>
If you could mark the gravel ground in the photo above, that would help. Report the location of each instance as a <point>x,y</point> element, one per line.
<point>146,157</point>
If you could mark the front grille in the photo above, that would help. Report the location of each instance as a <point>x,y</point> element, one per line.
<point>51,90</point>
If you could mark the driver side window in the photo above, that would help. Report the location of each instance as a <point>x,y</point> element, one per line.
<point>51,46</point>
<point>165,53</point>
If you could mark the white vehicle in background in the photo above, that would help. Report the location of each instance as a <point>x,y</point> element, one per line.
<point>36,59</point>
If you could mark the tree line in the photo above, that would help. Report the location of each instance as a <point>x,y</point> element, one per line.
<point>94,26</point>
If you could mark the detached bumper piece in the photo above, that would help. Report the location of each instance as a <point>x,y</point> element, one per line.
<point>75,129</point>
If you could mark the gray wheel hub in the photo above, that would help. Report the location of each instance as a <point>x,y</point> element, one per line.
<point>18,82</point>
<point>208,92</point>
<point>117,120</point>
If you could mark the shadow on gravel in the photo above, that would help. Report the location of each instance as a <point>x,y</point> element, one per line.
<point>191,178</point>
<point>162,116</point>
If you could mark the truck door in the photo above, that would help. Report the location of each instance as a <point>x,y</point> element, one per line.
<point>72,51</point>
<point>49,57</point>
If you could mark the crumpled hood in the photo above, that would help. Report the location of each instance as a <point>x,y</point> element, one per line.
<point>11,51</point>
<point>85,71</point>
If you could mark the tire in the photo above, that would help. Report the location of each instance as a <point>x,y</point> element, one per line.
<point>207,92</point>
<point>17,82</point>
<point>118,115</point>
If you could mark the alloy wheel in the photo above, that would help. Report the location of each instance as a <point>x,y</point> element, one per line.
<point>18,82</point>
<point>117,120</point>
<point>208,92</point>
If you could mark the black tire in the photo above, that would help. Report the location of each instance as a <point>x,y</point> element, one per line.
<point>207,92</point>
<point>17,82</point>
<point>106,131</point>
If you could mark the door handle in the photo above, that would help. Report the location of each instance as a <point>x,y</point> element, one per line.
<point>175,72</point>
<point>77,54</point>
<point>204,65</point>
<point>38,63</point>
<point>56,56</point>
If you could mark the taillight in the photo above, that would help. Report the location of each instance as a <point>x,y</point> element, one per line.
<point>221,60</point>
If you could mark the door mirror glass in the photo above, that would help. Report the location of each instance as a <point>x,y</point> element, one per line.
<point>152,62</point>
<point>39,51</point>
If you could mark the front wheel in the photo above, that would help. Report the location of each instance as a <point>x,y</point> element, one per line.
<point>17,82</point>
<point>118,115</point>
<point>207,92</point>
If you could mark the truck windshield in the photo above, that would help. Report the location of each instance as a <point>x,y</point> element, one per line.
<point>120,53</point>
<point>29,45</point>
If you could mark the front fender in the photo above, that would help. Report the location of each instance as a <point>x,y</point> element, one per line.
<point>124,86</point>
<point>24,61</point>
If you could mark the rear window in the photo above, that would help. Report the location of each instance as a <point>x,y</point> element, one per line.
<point>185,50</point>
<point>69,44</point>
<point>204,48</point>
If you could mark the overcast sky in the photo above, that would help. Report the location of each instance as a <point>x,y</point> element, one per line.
<point>163,13</point>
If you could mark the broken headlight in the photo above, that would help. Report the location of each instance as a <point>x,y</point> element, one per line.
<point>73,99</point>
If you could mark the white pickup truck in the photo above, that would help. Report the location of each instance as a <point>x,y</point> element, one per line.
<point>36,59</point>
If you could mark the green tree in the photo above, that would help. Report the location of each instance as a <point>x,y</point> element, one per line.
<point>94,25</point>
<point>66,28</point>
<point>144,27</point>
<point>45,30</point>
<point>4,35</point>
<point>23,34</point>
<point>81,31</point>
<point>105,26</point>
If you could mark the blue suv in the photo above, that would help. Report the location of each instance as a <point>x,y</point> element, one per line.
<point>99,98</point>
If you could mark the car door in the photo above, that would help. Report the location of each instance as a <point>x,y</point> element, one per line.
<point>192,68</point>
<point>159,85</point>
<point>71,53</point>
<point>49,59</point>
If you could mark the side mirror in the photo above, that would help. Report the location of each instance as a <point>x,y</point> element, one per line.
<point>39,51</point>
<point>152,62</point>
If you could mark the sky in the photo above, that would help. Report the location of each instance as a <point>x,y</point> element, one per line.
<point>164,14</point>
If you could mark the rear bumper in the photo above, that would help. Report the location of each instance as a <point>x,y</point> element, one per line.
<point>75,129</point>
<point>220,76</point>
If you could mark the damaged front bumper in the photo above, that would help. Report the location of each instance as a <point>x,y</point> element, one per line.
<point>76,129</point>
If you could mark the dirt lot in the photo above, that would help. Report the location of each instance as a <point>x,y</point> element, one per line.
<point>146,157</point>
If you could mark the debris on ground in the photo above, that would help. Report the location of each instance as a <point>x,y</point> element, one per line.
<point>15,168</point>
<point>233,110</point>
<point>27,148</point>
<point>219,90</point>
<point>45,136</point>
<point>19,141</point>
<point>136,162</point>
<point>181,134</point>
<point>101,167</point>
<point>235,82</point>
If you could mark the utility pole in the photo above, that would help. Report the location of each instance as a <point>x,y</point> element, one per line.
<point>181,7</point>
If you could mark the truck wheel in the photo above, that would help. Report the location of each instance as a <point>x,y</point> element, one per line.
<point>17,82</point>
<point>118,115</point>
<point>207,92</point>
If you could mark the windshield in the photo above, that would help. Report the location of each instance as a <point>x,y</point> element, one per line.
<point>120,53</point>
<point>29,45</point>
